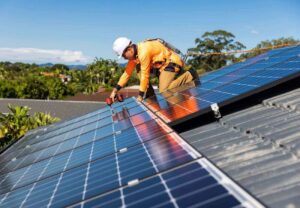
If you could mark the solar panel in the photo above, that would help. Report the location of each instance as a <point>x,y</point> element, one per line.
<point>226,85</point>
<point>173,189</point>
<point>111,155</point>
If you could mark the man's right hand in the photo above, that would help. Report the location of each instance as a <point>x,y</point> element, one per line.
<point>113,94</point>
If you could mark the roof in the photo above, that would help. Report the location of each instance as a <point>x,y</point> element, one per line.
<point>259,147</point>
<point>128,154</point>
<point>113,157</point>
<point>101,96</point>
<point>57,108</point>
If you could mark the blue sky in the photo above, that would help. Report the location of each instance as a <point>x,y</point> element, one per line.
<point>76,31</point>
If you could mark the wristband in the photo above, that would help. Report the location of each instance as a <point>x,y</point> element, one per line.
<point>118,87</point>
<point>141,93</point>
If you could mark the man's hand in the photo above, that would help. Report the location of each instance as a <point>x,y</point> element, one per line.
<point>140,98</point>
<point>113,94</point>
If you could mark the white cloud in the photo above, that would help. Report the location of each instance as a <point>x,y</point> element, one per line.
<point>38,55</point>
<point>253,31</point>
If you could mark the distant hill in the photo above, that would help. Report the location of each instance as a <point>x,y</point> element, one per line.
<point>79,66</point>
<point>82,67</point>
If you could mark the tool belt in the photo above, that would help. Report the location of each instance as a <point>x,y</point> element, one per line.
<point>171,67</point>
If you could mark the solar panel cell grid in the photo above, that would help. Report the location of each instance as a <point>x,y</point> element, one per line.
<point>118,156</point>
<point>225,70</point>
<point>255,75</point>
<point>85,131</point>
<point>133,164</point>
<point>76,171</point>
<point>162,189</point>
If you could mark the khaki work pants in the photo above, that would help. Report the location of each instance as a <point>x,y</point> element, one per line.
<point>166,81</point>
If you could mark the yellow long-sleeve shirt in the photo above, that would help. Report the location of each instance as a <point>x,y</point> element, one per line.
<point>150,54</point>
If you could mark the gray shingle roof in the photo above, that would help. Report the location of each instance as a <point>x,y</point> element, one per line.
<point>57,108</point>
<point>258,147</point>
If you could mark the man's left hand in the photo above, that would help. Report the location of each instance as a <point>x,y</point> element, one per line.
<point>140,98</point>
<point>113,94</point>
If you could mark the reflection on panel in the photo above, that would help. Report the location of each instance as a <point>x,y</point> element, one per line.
<point>226,84</point>
<point>190,185</point>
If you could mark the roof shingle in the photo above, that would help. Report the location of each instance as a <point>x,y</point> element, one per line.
<point>258,147</point>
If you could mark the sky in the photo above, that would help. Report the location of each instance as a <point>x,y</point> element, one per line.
<point>77,31</point>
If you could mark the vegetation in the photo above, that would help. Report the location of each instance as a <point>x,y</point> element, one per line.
<point>16,123</point>
<point>214,42</point>
<point>21,80</point>
<point>269,44</point>
<point>220,41</point>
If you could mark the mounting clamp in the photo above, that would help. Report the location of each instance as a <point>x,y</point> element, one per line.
<point>216,110</point>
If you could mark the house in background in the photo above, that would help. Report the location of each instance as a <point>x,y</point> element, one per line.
<point>64,78</point>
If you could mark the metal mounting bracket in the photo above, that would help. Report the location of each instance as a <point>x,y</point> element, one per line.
<point>216,110</point>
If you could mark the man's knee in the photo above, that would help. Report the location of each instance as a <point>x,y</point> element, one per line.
<point>162,89</point>
<point>165,80</point>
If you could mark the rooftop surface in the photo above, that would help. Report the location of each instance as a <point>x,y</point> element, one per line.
<point>258,147</point>
<point>128,154</point>
<point>57,108</point>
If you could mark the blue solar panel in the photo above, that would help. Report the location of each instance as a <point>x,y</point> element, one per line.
<point>226,84</point>
<point>248,63</point>
<point>127,156</point>
<point>102,157</point>
<point>135,163</point>
<point>172,189</point>
<point>82,128</point>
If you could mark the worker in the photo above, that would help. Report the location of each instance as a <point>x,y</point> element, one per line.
<point>151,57</point>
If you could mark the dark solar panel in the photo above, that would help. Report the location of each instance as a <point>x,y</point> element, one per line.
<point>103,157</point>
<point>173,189</point>
<point>226,85</point>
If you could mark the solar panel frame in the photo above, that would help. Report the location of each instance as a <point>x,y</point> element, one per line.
<point>291,54</point>
<point>61,175</point>
<point>166,152</point>
<point>144,143</point>
<point>24,148</point>
<point>180,178</point>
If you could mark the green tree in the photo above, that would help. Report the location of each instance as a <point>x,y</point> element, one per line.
<point>36,89</point>
<point>59,68</point>
<point>41,119</point>
<point>57,89</point>
<point>8,89</point>
<point>15,124</point>
<point>18,121</point>
<point>268,45</point>
<point>100,73</point>
<point>12,67</point>
<point>214,42</point>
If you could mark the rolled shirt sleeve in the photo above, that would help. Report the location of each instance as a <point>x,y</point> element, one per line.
<point>127,73</point>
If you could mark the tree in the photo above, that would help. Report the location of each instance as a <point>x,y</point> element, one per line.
<point>59,68</point>
<point>100,73</point>
<point>268,45</point>
<point>7,89</point>
<point>41,119</point>
<point>36,89</point>
<point>15,124</point>
<point>57,89</point>
<point>12,67</point>
<point>214,42</point>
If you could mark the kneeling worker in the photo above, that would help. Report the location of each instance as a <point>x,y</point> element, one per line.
<point>151,57</point>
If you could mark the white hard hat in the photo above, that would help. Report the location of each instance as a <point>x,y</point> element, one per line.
<point>120,45</point>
